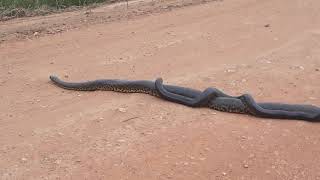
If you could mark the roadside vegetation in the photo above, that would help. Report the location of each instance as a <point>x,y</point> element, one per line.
<point>19,8</point>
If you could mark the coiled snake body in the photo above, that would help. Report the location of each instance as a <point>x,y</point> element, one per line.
<point>211,97</point>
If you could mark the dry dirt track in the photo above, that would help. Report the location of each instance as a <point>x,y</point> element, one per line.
<point>270,49</point>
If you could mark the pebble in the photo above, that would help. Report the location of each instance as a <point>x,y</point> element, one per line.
<point>58,161</point>
<point>265,61</point>
<point>245,165</point>
<point>24,159</point>
<point>60,133</point>
<point>230,70</point>
<point>268,62</point>
<point>297,67</point>
<point>36,33</point>
<point>317,69</point>
<point>122,110</point>
<point>267,25</point>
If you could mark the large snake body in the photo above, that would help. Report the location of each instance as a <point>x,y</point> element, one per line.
<point>264,110</point>
<point>211,97</point>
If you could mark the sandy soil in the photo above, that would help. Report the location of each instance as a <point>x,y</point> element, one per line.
<point>270,49</point>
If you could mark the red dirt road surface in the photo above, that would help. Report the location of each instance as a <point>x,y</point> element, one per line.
<point>270,49</point>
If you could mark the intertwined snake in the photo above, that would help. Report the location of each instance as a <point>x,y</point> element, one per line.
<point>211,97</point>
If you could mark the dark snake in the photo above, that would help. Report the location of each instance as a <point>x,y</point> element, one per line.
<point>210,97</point>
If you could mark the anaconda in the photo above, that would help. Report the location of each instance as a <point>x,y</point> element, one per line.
<point>212,98</point>
<point>263,110</point>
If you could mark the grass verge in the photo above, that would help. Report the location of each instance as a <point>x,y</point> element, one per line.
<point>19,8</point>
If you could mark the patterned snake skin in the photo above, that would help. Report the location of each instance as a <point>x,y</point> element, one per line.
<point>211,97</point>
<point>248,104</point>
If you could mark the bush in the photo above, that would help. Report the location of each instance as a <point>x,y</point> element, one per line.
<point>34,4</point>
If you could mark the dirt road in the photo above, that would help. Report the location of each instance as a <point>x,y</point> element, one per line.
<point>269,49</point>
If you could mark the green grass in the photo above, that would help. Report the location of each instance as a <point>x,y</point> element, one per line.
<point>20,8</point>
<point>34,4</point>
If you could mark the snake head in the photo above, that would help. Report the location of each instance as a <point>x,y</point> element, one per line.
<point>159,80</point>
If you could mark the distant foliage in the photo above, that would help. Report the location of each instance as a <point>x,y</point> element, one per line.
<point>34,4</point>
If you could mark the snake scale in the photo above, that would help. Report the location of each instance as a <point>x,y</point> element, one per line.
<point>210,97</point>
